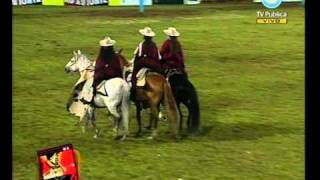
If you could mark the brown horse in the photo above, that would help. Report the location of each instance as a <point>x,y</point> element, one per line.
<point>156,91</point>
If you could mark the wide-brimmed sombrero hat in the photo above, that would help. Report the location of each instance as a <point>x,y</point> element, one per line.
<point>171,31</point>
<point>107,41</point>
<point>147,31</point>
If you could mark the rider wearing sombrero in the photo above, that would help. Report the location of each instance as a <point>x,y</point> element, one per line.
<point>146,55</point>
<point>107,66</point>
<point>171,52</point>
<point>108,63</point>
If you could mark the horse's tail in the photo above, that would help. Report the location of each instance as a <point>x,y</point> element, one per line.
<point>172,109</point>
<point>125,105</point>
<point>194,119</point>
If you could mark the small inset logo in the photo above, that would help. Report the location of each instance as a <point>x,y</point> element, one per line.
<point>271,4</point>
<point>272,17</point>
<point>58,162</point>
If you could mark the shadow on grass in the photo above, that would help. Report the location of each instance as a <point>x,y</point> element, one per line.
<point>245,131</point>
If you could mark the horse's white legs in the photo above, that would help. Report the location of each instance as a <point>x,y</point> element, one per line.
<point>89,116</point>
<point>117,103</point>
<point>92,118</point>
<point>125,105</point>
<point>82,120</point>
<point>120,115</point>
<point>115,117</point>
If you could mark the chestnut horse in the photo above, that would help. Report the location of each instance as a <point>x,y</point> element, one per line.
<point>156,91</point>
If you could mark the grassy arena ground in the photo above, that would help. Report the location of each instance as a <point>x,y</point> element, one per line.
<point>249,77</point>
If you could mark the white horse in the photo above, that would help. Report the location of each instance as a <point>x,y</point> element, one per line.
<point>113,94</point>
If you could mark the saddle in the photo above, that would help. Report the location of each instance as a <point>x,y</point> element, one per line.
<point>141,77</point>
<point>142,74</point>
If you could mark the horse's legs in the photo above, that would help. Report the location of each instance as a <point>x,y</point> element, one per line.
<point>84,121</point>
<point>124,110</point>
<point>115,117</point>
<point>138,116</point>
<point>189,114</point>
<point>161,116</point>
<point>94,125</point>
<point>121,129</point>
<point>151,120</point>
<point>181,117</point>
<point>154,119</point>
<point>114,124</point>
<point>149,127</point>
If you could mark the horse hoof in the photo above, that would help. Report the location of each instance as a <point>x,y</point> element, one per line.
<point>97,134</point>
<point>150,137</point>
<point>164,119</point>
<point>120,138</point>
<point>194,132</point>
<point>148,127</point>
<point>124,137</point>
<point>154,134</point>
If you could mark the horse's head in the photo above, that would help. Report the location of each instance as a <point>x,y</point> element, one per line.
<point>77,63</point>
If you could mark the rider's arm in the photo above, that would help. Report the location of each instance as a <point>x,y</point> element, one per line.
<point>99,65</point>
<point>99,72</point>
<point>155,53</point>
<point>181,57</point>
<point>165,47</point>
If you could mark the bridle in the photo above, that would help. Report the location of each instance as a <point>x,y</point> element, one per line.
<point>89,68</point>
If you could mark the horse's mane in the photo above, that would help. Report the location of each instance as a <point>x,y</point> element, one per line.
<point>86,57</point>
<point>123,60</point>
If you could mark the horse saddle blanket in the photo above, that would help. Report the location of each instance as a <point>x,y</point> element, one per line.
<point>141,76</point>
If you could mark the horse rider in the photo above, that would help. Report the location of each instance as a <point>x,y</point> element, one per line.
<point>56,169</point>
<point>107,66</point>
<point>171,52</point>
<point>146,55</point>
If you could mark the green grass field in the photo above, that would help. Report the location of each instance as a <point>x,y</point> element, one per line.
<point>249,77</point>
